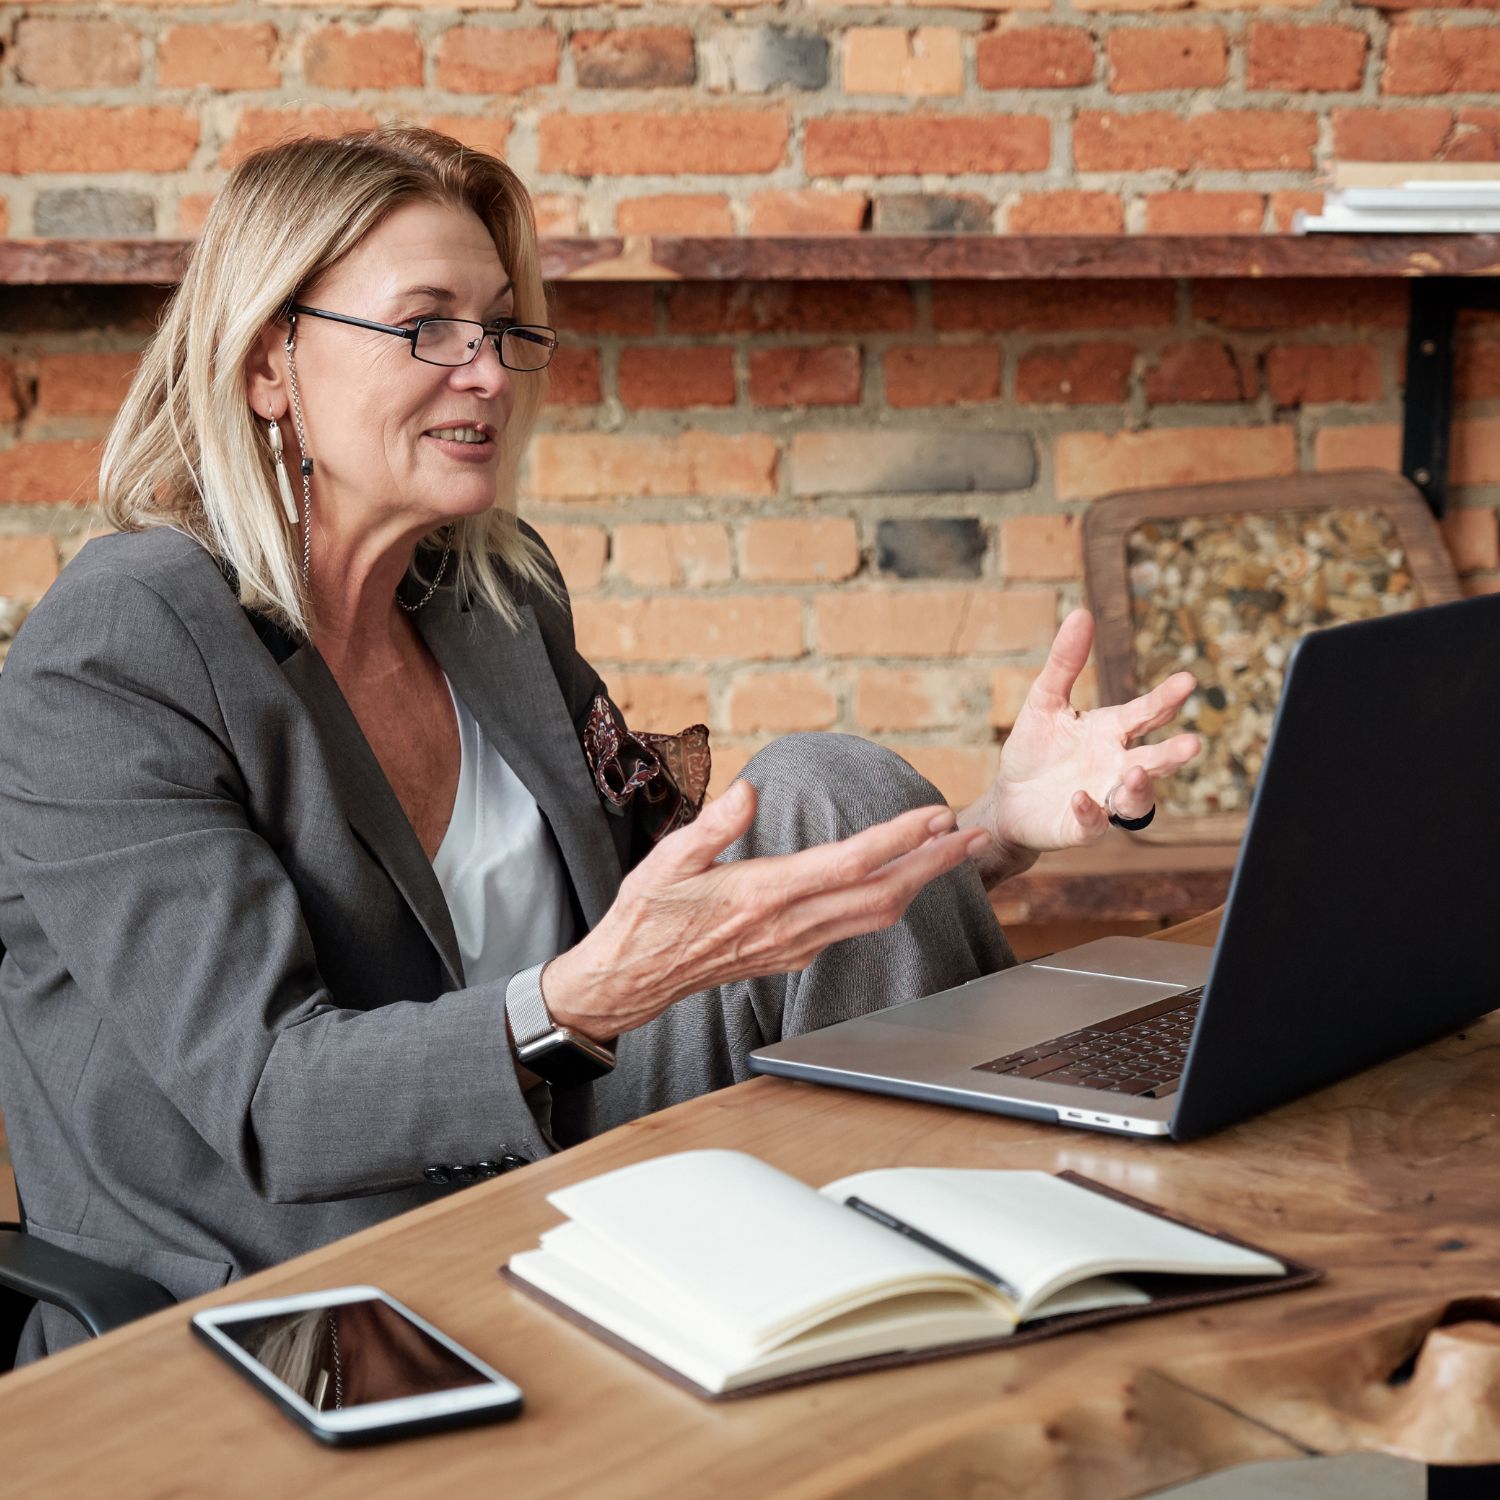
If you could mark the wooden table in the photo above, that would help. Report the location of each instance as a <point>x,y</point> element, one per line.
<point>1388,1180</point>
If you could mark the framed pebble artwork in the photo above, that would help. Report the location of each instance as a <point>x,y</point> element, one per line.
<point>1222,580</point>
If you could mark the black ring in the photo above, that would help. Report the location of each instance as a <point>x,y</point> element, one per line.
<point>1134,825</point>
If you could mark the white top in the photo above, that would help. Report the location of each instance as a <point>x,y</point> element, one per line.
<point>499,866</point>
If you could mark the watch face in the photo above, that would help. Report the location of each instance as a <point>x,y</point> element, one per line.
<point>564,1060</point>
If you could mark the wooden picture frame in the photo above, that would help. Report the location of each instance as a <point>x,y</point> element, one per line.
<point>1357,531</point>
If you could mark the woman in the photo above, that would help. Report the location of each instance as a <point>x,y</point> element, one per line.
<point>303,782</point>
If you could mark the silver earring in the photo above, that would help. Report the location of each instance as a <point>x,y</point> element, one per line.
<point>283,483</point>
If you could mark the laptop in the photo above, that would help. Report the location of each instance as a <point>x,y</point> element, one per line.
<point>1363,919</point>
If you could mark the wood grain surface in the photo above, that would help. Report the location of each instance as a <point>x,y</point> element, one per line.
<point>862,257</point>
<point>1386,1180</point>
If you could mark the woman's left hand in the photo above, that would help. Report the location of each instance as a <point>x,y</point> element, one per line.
<point>1060,767</point>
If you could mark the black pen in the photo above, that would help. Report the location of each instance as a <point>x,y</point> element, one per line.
<point>927,1242</point>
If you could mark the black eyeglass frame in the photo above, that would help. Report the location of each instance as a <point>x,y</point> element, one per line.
<point>548,336</point>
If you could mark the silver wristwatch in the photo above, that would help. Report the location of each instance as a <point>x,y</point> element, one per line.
<point>555,1053</point>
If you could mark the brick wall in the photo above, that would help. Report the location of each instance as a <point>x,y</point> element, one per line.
<point>849,505</point>
<point>1021,115</point>
<point>793,506</point>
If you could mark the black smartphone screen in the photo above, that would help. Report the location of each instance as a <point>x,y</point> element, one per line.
<point>352,1353</point>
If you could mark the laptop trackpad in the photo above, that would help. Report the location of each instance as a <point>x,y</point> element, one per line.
<point>1026,1004</point>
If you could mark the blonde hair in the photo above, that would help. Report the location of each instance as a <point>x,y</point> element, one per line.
<point>184,450</point>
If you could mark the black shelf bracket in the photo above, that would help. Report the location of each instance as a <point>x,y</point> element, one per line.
<point>1431,322</point>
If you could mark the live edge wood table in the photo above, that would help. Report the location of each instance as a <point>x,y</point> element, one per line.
<point>1387,1180</point>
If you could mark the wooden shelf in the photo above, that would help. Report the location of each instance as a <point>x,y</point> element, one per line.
<point>864,257</point>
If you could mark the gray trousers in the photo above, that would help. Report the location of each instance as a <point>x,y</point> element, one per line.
<point>813,788</point>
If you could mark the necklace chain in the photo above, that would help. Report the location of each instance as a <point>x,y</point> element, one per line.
<point>338,1363</point>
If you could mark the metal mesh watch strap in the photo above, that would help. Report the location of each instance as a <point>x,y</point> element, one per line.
<point>524,1007</point>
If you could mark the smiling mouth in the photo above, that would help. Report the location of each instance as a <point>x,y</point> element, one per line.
<point>463,434</point>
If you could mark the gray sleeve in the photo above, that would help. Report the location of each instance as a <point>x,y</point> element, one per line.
<point>123,825</point>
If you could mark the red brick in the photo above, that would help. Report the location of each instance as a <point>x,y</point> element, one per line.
<point>259,128</point>
<point>1202,370</point>
<point>780,703</point>
<point>671,556</point>
<point>492,60</point>
<point>676,627</point>
<point>580,552</point>
<point>1476,368</point>
<point>675,213</point>
<point>1041,547</point>
<point>28,565</point>
<point>97,138</point>
<point>1471,536</point>
<point>1305,59</point>
<point>842,145</point>
<point>227,56</point>
<point>1286,202</point>
<point>1281,305</point>
<point>941,375</point>
<point>604,307</point>
<point>1476,451</point>
<point>894,698</point>
<point>1303,374</point>
<point>635,57</point>
<point>50,473</point>
<point>370,57</point>
<point>824,375</point>
<point>724,307</point>
<point>915,64</point>
<point>573,377</point>
<point>592,465</point>
<point>52,53</point>
<point>807,211</point>
<point>823,550</point>
<point>82,385</point>
<point>1066,212</point>
<point>1080,374</point>
<point>192,212</point>
<point>1204,213</point>
<point>556,214</point>
<point>1390,134</point>
<point>662,702</point>
<point>10,394</point>
<point>1376,446</point>
<point>930,622</point>
<point>708,142</point>
<point>488,133</point>
<point>1476,137</point>
<point>1242,140</point>
<point>1034,57</point>
<point>960,774</point>
<point>1051,306</point>
<point>1441,60</point>
<point>654,378</point>
<point>1148,59</point>
<point>1090,464</point>
<point>1008,689</point>
<point>729,756</point>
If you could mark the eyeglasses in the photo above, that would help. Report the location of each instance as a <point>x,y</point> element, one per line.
<point>457,341</point>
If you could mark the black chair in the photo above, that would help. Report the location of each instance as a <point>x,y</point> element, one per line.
<point>33,1271</point>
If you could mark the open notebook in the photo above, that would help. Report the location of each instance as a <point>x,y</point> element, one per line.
<point>730,1276</point>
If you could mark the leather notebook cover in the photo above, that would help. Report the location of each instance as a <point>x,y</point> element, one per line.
<point>1168,1294</point>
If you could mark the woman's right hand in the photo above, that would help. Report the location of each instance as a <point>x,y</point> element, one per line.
<point>684,923</point>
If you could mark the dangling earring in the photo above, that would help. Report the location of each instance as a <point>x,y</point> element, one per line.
<point>283,483</point>
<point>307,463</point>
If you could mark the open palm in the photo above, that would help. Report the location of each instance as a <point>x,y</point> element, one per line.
<point>1063,772</point>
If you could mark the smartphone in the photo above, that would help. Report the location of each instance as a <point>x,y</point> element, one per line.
<point>353,1365</point>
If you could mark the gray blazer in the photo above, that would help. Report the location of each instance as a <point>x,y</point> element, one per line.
<point>233,1017</point>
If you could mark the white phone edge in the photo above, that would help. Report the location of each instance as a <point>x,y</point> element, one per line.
<point>496,1391</point>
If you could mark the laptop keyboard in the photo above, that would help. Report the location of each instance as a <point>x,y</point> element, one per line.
<point>1140,1052</point>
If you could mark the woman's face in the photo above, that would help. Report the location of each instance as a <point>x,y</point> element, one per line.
<point>392,436</point>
